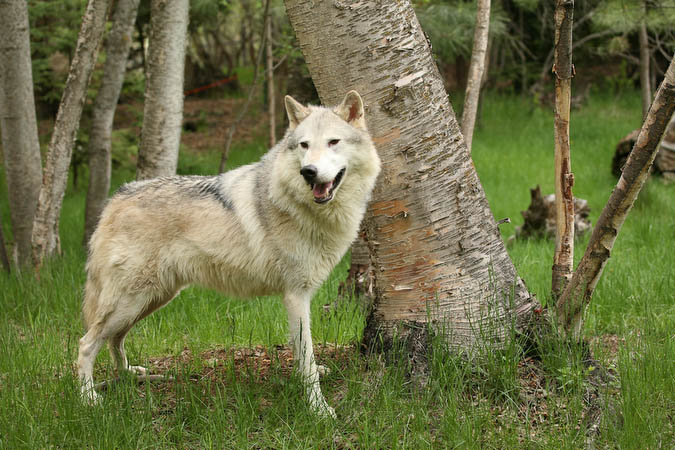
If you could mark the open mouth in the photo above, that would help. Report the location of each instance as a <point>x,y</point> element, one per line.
<point>323,192</point>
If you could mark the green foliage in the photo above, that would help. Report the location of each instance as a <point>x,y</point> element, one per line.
<point>54,26</point>
<point>501,398</point>
<point>450,27</point>
<point>625,17</point>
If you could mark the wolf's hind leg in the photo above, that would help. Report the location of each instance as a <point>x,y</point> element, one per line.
<point>119,356</point>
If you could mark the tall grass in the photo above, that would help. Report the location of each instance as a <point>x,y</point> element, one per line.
<point>497,401</point>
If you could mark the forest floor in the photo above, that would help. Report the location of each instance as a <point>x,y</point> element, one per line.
<point>229,379</point>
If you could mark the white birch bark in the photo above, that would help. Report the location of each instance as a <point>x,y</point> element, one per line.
<point>476,70</point>
<point>18,126</point>
<point>572,303</point>
<point>55,177</point>
<point>163,110</point>
<point>437,253</point>
<point>117,47</point>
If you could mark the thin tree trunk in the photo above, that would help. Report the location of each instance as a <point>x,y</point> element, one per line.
<point>18,126</point>
<point>251,91</point>
<point>271,103</point>
<point>577,294</point>
<point>478,57</point>
<point>4,259</point>
<point>117,47</point>
<point>645,81</point>
<point>163,111</point>
<point>438,256</point>
<point>563,257</point>
<point>46,225</point>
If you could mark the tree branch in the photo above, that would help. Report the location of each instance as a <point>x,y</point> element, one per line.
<point>571,304</point>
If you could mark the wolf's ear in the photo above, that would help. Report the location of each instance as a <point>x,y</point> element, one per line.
<point>295,111</point>
<point>351,110</point>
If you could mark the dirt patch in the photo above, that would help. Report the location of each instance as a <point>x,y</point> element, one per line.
<point>206,123</point>
<point>257,361</point>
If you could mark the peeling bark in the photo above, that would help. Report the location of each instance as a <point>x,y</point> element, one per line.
<point>163,110</point>
<point>18,126</point>
<point>437,253</point>
<point>577,294</point>
<point>45,237</point>
<point>563,257</point>
<point>117,47</point>
<point>476,71</point>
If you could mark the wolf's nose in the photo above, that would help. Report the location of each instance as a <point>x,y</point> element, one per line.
<point>309,173</point>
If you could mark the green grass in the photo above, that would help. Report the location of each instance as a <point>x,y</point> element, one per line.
<point>501,399</point>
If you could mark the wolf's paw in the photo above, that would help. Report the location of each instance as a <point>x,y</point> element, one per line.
<point>90,397</point>
<point>138,370</point>
<point>320,406</point>
<point>323,370</point>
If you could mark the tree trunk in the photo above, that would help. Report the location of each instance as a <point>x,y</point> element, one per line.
<point>563,257</point>
<point>18,126</point>
<point>117,47</point>
<point>577,294</point>
<point>46,225</point>
<point>163,111</point>
<point>645,84</point>
<point>478,57</point>
<point>4,259</point>
<point>438,256</point>
<point>269,64</point>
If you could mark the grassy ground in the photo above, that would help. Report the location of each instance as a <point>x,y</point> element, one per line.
<point>234,387</point>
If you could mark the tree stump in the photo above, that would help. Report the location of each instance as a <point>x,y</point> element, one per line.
<point>664,162</point>
<point>540,216</point>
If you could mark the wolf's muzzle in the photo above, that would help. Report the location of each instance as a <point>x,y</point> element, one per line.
<point>309,173</point>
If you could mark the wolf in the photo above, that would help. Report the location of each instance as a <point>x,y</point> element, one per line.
<point>278,226</point>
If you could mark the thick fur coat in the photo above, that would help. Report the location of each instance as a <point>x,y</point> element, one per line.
<point>278,226</point>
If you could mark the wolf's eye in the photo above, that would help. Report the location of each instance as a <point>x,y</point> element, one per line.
<point>333,142</point>
<point>304,144</point>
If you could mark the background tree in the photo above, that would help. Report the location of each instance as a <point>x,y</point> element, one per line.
<point>117,47</point>
<point>576,296</point>
<point>563,257</point>
<point>45,238</point>
<point>4,259</point>
<point>163,110</point>
<point>18,126</point>
<point>476,70</point>
<point>438,255</point>
<point>649,21</point>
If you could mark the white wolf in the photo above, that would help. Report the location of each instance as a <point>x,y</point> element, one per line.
<point>277,226</point>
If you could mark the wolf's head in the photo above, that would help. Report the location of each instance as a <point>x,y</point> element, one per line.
<point>330,148</point>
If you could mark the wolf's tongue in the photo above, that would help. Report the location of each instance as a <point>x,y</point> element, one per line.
<point>320,190</point>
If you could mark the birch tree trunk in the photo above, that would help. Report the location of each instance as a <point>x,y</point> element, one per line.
<point>117,47</point>
<point>437,253</point>
<point>476,69</point>
<point>269,69</point>
<point>570,307</point>
<point>645,81</point>
<point>563,257</point>
<point>163,111</point>
<point>55,177</point>
<point>18,126</point>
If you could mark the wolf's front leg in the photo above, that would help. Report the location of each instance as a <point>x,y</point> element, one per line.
<point>298,307</point>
